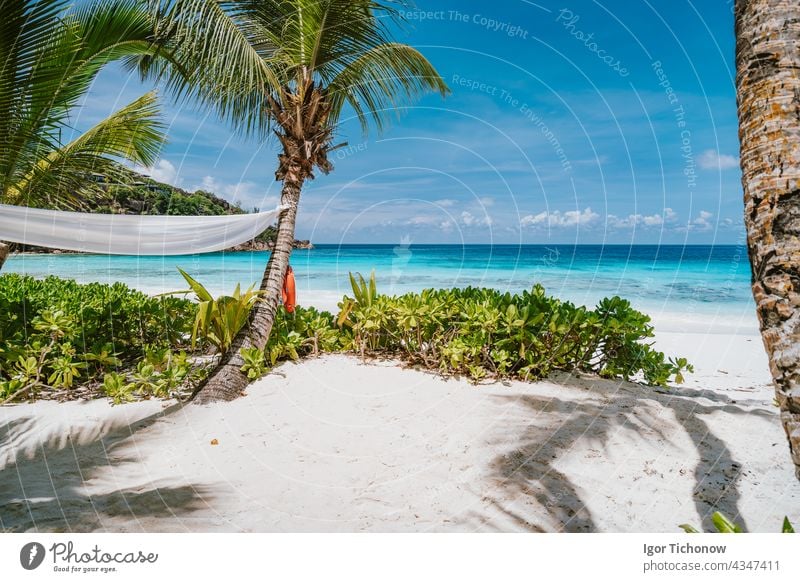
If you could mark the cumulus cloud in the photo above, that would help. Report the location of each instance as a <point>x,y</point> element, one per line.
<point>647,220</point>
<point>557,219</point>
<point>702,220</point>
<point>467,219</point>
<point>423,220</point>
<point>445,202</point>
<point>713,160</point>
<point>163,171</point>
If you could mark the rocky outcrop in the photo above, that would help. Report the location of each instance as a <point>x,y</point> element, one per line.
<point>260,245</point>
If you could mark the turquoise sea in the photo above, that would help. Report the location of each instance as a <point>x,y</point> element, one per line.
<point>676,281</point>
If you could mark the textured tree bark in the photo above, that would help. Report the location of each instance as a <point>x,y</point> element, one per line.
<point>228,381</point>
<point>3,254</point>
<point>768,95</point>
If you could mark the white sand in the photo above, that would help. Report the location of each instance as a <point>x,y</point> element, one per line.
<point>334,444</point>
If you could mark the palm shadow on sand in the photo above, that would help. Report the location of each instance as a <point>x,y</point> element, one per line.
<point>527,472</point>
<point>46,483</point>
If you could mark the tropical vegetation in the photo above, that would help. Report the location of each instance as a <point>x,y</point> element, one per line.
<point>298,64</point>
<point>60,339</point>
<point>51,52</point>
<point>483,333</point>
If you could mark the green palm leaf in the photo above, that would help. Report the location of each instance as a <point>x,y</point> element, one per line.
<point>50,57</point>
<point>134,133</point>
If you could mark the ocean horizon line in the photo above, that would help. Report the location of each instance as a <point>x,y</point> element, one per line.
<point>522,245</point>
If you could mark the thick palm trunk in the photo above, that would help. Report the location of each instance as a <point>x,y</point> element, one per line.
<point>3,254</point>
<point>227,381</point>
<point>768,91</point>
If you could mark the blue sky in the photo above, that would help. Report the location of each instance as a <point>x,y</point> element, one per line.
<point>569,122</point>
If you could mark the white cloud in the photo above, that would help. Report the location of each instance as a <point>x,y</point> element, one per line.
<point>162,171</point>
<point>468,219</point>
<point>713,160</point>
<point>445,202</point>
<point>487,201</point>
<point>557,219</point>
<point>423,220</point>
<point>633,220</point>
<point>702,222</point>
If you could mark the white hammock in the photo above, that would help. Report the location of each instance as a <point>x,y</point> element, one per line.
<point>126,234</point>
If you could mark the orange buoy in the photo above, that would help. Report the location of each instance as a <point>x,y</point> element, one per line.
<point>289,293</point>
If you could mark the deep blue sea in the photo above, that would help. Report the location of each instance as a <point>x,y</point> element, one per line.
<point>689,281</point>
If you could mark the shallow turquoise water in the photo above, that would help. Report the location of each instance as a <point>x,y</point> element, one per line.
<point>673,279</point>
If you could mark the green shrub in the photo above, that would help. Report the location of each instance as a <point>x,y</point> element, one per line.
<point>219,319</point>
<point>56,333</point>
<point>483,333</point>
<point>478,333</point>
<point>255,365</point>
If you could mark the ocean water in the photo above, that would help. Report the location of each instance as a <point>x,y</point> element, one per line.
<point>688,282</point>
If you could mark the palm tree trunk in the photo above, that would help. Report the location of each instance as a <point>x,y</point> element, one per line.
<point>3,254</point>
<point>768,94</point>
<point>228,381</point>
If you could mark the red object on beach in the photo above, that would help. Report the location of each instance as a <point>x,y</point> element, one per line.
<point>289,293</point>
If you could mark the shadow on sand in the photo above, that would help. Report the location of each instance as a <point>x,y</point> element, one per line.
<point>527,471</point>
<point>45,482</point>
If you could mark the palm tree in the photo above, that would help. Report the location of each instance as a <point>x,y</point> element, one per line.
<point>49,57</point>
<point>308,59</point>
<point>768,92</point>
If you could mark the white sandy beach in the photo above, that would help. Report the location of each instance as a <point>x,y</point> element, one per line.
<point>336,444</point>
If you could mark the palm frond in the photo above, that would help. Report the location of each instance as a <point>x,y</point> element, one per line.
<point>226,61</point>
<point>26,30</point>
<point>134,133</point>
<point>381,81</point>
<point>72,48</point>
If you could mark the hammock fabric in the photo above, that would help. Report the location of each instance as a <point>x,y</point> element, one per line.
<point>126,234</point>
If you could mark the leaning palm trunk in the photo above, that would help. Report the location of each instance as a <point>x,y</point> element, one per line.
<point>228,381</point>
<point>302,116</point>
<point>3,254</point>
<point>768,90</point>
<point>315,58</point>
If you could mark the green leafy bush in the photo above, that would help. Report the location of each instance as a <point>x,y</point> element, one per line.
<point>483,333</point>
<point>479,333</point>
<point>219,319</point>
<point>56,334</point>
